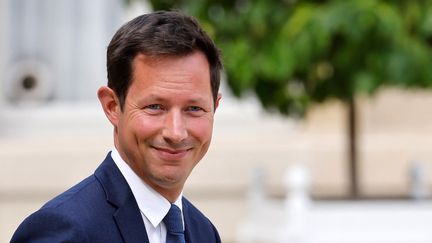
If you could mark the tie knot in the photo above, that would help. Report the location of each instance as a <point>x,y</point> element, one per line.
<point>173,220</point>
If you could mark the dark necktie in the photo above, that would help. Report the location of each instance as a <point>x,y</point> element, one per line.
<point>174,225</point>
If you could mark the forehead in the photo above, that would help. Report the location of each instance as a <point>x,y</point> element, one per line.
<point>163,74</point>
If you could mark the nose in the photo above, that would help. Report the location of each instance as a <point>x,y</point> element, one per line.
<point>174,130</point>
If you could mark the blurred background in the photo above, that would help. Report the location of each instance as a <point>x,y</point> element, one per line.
<point>322,135</point>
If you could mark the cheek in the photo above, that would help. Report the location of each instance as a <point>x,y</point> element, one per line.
<point>144,126</point>
<point>201,129</point>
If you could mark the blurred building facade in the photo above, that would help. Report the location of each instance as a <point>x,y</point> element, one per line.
<point>53,133</point>
<point>52,62</point>
<point>51,50</point>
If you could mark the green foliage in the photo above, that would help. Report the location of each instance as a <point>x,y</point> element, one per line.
<point>294,53</point>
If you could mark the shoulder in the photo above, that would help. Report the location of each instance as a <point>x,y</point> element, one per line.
<point>47,225</point>
<point>82,195</point>
<point>69,217</point>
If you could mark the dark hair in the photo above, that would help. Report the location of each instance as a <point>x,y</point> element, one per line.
<point>162,33</point>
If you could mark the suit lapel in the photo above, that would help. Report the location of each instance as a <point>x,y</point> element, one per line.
<point>190,235</point>
<point>130,223</point>
<point>187,221</point>
<point>118,193</point>
<point>198,228</point>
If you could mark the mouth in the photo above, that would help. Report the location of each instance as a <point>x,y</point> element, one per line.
<point>171,154</point>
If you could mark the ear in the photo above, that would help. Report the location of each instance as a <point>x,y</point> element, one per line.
<point>219,97</point>
<point>110,104</point>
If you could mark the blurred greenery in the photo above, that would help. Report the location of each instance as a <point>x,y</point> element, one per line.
<point>293,54</point>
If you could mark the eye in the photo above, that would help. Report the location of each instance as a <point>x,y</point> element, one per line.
<point>154,107</point>
<point>195,108</point>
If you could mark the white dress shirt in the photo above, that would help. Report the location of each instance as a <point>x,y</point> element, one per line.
<point>152,205</point>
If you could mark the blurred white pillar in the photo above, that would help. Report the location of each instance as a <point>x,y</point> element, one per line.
<point>297,203</point>
<point>66,40</point>
<point>4,17</point>
<point>418,179</point>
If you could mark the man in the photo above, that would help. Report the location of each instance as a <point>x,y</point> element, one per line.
<point>163,81</point>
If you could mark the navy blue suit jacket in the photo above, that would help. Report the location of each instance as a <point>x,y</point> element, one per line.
<point>103,209</point>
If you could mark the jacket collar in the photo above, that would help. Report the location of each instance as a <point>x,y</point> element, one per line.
<point>127,215</point>
<point>191,233</point>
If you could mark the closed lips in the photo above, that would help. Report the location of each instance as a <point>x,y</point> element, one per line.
<point>171,151</point>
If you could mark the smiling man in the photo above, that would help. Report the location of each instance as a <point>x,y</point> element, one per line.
<point>162,93</point>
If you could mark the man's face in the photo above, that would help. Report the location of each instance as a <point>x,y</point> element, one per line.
<point>166,124</point>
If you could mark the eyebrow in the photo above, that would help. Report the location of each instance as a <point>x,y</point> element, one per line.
<point>157,98</point>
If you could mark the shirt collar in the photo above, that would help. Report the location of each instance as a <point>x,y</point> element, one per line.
<point>153,205</point>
